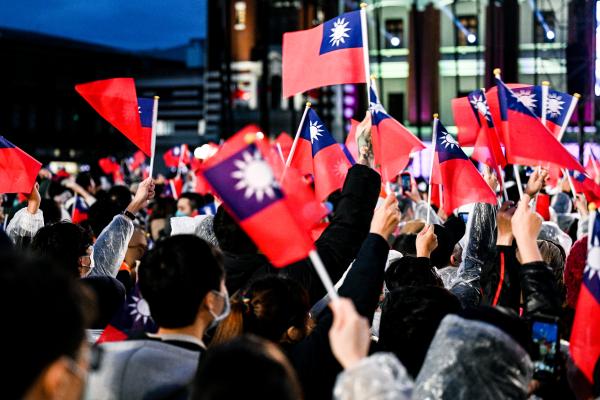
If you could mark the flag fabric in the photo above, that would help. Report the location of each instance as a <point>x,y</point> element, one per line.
<point>18,170</point>
<point>135,161</point>
<point>585,335</point>
<point>557,107</point>
<point>285,141</point>
<point>177,154</point>
<point>583,184</point>
<point>329,54</point>
<point>116,101</point>
<point>392,142</point>
<point>592,168</point>
<point>527,140</point>
<point>109,165</point>
<point>80,210</point>
<point>530,96</point>
<point>318,153</point>
<point>241,176</point>
<point>133,318</point>
<point>461,182</point>
<point>351,145</point>
<point>176,186</point>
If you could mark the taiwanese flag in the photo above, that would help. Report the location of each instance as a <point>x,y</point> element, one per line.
<point>176,186</point>
<point>557,110</point>
<point>585,185</point>
<point>461,182</point>
<point>177,154</point>
<point>109,165</point>
<point>18,170</point>
<point>318,153</point>
<point>80,210</point>
<point>473,119</point>
<point>132,319</point>
<point>117,102</point>
<point>585,335</point>
<point>530,96</point>
<point>392,142</point>
<point>284,141</point>
<point>527,140</point>
<point>329,54</point>
<point>241,176</point>
<point>592,168</point>
<point>351,145</point>
<point>136,160</point>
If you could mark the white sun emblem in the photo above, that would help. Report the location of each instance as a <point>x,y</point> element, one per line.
<point>339,32</point>
<point>315,131</point>
<point>481,106</point>
<point>341,168</point>
<point>140,309</point>
<point>554,105</point>
<point>527,97</point>
<point>449,141</point>
<point>377,108</point>
<point>255,177</point>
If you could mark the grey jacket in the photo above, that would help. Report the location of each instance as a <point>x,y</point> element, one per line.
<point>141,369</point>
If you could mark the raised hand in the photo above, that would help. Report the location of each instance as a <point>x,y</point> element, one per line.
<point>526,225</point>
<point>386,217</point>
<point>144,193</point>
<point>536,181</point>
<point>426,241</point>
<point>503,220</point>
<point>349,335</point>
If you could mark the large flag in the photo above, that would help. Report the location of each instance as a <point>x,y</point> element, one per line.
<point>527,140</point>
<point>318,153</point>
<point>585,335</point>
<point>461,182</point>
<point>585,185</point>
<point>592,168</point>
<point>392,142</point>
<point>117,102</point>
<point>18,170</point>
<point>329,54</point>
<point>241,176</point>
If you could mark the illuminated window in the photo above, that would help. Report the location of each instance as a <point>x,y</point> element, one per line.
<point>394,36</point>
<point>545,34</point>
<point>470,23</point>
<point>240,16</point>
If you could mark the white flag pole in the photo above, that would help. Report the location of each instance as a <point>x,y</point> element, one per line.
<point>323,275</point>
<point>573,191</point>
<point>74,205</point>
<point>545,89</point>
<point>515,167</point>
<point>433,142</point>
<point>295,143</point>
<point>570,111</point>
<point>365,42</point>
<point>153,140</point>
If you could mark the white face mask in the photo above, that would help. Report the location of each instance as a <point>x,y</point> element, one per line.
<point>224,312</point>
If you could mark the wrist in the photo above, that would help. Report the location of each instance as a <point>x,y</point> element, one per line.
<point>423,253</point>
<point>350,361</point>
<point>529,252</point>
<point>504,240</point>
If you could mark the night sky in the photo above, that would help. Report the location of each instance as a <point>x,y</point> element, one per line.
<point>128,24</point>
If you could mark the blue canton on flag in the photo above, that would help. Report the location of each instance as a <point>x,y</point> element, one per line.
<point>480,107</point>
<point>342,32</point>
<point>245,182</point>
<point>557,105</point>
<point>446,146</point>
<point>5,144</point>
<point>316,133</point>
<point>523,100</point>
<point>378,113</point>
<point>145,108</point>
<point>530,97</point>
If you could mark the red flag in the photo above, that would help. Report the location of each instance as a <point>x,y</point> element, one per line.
<point>467,122</point>
<point>109,165</point>
<point>351,140</point>
<point>176,186</point>
<point>319,154</point>
<point>329,54</point>
<point>585,335</point>
<point>176,155</point>
<point>242,177</point>
<point>592,168</point>
<point>585,186</point>
<point>80,210</point>
<point>527,140</point>
<point>117,102</point>
<point>462,183</point>
<point>285,141</point>
<point>136,160</point>
<point>18,170</point>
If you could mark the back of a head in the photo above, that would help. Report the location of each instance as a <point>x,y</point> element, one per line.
<point>471,359</point>
<point>64,243</point>
<point>121,195</point>
<point>409,271</point>
<point>101,213</point>
<point>85,180</point>
<point>247,367</point>
<point>232,238</point>
<point>554,256</point>
<point>43,311</point>
<point>176,275</point>
<point>110,296</point>
<point>268,308</point>
<point>406,243</point>
<point>447,236</point>
<point>409,319</point>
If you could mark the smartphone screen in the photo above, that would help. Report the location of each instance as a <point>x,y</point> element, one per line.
<point>545,341</point>
<point>464,216</point>
<point>406,184</point>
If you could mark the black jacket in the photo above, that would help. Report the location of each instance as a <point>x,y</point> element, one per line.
<point>337,246</point>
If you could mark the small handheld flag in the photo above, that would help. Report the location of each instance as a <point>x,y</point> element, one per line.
<point>18,170</point>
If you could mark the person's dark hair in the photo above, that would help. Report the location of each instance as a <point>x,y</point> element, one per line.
<point>64,243</point>
<point>409,271</point>
<point>447,236</point>
<point>176,275</point>
<point>231,238</point>
<point>163,207</point>
<point>268,308</point>
<point>410,317</point>
<point>247,367</point>
<point>555,257</point>
<point>51,210</point>
<point>406,244</point>
<point>110,296</point>
<point>84,179</point>
<point>45,314</point>
<point>101,213</point>
<point>121,195</point>
<point>195,199</point>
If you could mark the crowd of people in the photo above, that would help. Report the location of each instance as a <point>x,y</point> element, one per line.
<point>445,310</point>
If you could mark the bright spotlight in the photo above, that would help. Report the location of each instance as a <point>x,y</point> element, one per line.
<point>550,35</point>
<point>395,41</point>
<point>471,38</point>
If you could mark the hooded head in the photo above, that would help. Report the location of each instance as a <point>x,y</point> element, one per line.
<point>470,359</point>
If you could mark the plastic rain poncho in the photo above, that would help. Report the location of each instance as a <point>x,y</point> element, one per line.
<point>550,231</point>
<point>200,225</point>
<point>473,360</point>
<point>24,225</point>
<point>378,377</point>
<point>111,246</point>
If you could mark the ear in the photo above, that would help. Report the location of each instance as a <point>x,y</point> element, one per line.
<point>294,334</point>
<point>453,261</point>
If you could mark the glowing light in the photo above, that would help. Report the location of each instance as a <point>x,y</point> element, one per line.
<point>550,35</point>
<point>471,38</point>
<point>395,41</point>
